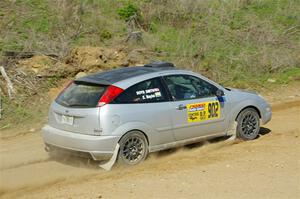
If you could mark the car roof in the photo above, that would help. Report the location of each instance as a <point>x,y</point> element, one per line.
<point>116,75</point>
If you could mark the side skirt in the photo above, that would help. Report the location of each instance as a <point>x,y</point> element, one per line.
<point>183,142</point>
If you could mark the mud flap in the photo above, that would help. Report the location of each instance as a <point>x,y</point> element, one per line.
<point>232,132</point>
<point>108,165</point>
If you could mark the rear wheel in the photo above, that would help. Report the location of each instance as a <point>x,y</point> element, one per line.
<point>248,124</point>
<point>133,148</point>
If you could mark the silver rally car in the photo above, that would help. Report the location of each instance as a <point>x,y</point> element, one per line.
<point>146,109</point>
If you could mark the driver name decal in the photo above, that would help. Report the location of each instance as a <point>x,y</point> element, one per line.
<point>203,111</point>
<point>149,93</point>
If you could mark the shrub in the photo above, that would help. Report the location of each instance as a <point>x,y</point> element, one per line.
<point>127,11</point>
<point>105,34</point>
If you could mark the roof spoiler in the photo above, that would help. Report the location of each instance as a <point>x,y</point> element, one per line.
<point>159,64</point>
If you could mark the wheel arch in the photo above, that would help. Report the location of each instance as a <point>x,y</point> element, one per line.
<point>142,132</point>
<point>250,106</point>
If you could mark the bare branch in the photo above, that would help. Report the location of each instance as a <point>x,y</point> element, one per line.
<point>10,88</point>
<point>135,36</point>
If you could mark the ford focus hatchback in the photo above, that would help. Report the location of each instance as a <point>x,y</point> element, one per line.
<point>146,109</point>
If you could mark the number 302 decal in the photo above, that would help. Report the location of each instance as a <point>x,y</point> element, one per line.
<point>213,109</point>
<point>203,111</point>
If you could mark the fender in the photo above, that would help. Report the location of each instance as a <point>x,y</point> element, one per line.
<point>237,108</point>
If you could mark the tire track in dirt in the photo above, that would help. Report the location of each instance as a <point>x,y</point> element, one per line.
<point>286,105</point>
<point>24,164</point>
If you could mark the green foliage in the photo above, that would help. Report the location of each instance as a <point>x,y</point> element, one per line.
<point>13,110</point>
<point>233,42</point>
<point>152,27</point>
<point>39,25</point>
<point>13,45</point>
<point>105,34</point>
<point>53,81</point>
<point>288,75</point>
<point>127,11</point>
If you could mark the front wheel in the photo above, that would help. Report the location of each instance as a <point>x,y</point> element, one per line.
<point>133,148</point>
<point>248,124</point>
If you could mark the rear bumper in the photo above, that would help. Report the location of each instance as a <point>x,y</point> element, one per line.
<point>99,147</point>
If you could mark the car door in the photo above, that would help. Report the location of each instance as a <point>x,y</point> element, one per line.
<point>196,110</point>
<point>146,102</point>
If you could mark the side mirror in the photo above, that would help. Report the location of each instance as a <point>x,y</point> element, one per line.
<point>220,93</point>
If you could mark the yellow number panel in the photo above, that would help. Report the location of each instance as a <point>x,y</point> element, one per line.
<point>203,111</point>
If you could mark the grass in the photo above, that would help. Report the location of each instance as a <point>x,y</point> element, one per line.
<point>287,76</point>
<point>20,114</point>
<point>235,43</point>
<point>26,109</point>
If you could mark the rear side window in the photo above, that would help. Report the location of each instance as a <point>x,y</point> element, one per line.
<point>81,95</point>
<point>148,91</point>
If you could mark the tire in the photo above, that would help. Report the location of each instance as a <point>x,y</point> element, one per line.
<point>248,124</point>
<point>133,148</point>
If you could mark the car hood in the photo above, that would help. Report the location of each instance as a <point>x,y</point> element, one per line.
<point>243,91</point>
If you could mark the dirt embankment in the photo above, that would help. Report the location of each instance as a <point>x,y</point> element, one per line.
<point>268,167</point>
<point>82,59</point>
<point>30,73</point>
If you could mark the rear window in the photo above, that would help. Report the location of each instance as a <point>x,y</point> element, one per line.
<point>81,95</point>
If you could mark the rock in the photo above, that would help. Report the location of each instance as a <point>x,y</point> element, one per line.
<point>80,74</point>
<point>271,80</point>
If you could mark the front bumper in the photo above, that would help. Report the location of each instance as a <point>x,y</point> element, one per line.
<point>99,147</point>
<point>266,115</point>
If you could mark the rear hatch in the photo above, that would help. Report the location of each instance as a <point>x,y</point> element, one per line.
<point>76,110</point>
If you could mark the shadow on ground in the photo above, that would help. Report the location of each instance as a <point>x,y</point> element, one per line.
<point>264,131</point>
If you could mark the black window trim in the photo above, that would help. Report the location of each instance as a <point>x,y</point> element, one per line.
<point>175,100</point>
<point>166,89</point>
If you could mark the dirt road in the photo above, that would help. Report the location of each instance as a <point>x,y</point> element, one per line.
<point>268,167</point>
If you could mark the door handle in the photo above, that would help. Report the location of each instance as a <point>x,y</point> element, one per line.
<point>181,107</point>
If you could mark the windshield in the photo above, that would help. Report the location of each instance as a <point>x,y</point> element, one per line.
<point>81,95</point>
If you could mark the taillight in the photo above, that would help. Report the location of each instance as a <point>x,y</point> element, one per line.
<point>67,85</point>
<point>109,95</point>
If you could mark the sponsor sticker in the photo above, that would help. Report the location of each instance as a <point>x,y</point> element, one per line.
<point>203,111</point>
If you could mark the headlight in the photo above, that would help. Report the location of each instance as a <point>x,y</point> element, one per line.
<point>268,109</point>
<point>261,96</point>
